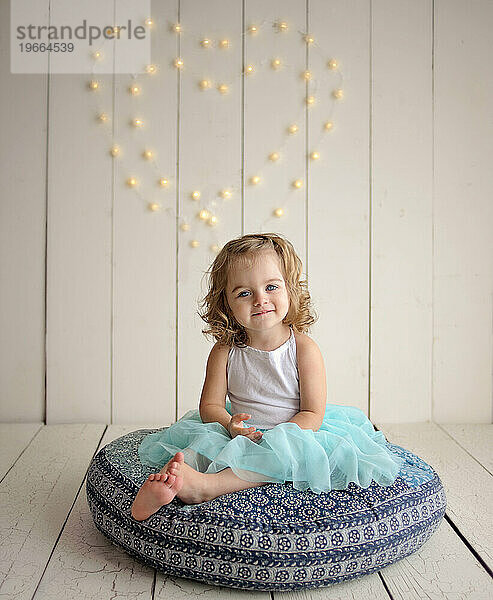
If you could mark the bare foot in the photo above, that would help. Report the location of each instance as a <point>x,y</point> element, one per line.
<point>159,489</point>
<point>196,486</point>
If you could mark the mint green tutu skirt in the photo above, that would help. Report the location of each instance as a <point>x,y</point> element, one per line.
<point>345,449</point>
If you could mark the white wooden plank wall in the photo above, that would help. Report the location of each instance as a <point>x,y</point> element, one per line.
<point>23,126</point>
<point>393,222</point>
<point>339,199</point>
<point>401,206</point>
<point>79,251</point>
<point>144,251</point>
<point>209,161</point>
<point>463,213</point>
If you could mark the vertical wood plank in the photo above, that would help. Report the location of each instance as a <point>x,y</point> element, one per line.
<point>370,586</point>
<point>467,485</point>
<point>401,294</point>
<point>180,588</point>
<point>35,498</point>
<point>23,106</point>
<point>274,99</point>
<point>85,564</point>
<point>210,161</point>
<point>79,249</point>
<point>463,213</point>
<point>144,357</point>
<point>475,438</point>
<point>14,439</point>
<point>338,229</point>
<point>442,568</point>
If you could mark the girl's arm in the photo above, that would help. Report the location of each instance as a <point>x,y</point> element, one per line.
<point>213,399</point>
<point>313,386</point>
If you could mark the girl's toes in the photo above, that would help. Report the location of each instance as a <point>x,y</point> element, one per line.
<point>171,480</point>
<point>151,477</point>
<point>174,471</point>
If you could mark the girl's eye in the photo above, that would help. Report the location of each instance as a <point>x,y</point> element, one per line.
<point>240,295</point>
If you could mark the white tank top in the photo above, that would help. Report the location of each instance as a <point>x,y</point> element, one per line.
<point>264,383</point>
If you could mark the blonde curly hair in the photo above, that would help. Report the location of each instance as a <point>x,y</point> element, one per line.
<point>215,308</point>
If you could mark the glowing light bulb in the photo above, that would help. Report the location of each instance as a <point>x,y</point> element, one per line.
<point>116,30</point>
<point>310,100</point>
<point>309,39</point>
<point>205,84</point>
<point>204,214</point>
<point>93,85</point>
<point>176,28</point>
<point>282,26</point>
<point>223,88</point>
<point>215,248</point>
<point>332,64</point>
<point>98,55</point>
<point>278,212</point>
<point>138,123</point>
<point>184,226</point>
<point>253,29</point>
<point>103,118</point>
<point>151,69</point>
<point>178,63</point>
<point>315,155</point>
<point>148,154</point>
<point>255,180</point>
<point>194,243</point>
<point>134,90</point>
<point>306,75</point>
<point>298,183</point>
<point>114,151</point>
<point>275,63</point>
<point>154,206</point>
<point>206,43</point>
<point>224,44</point>
<point>338,94</point>
<point>249,69</point>
<point>212,221</point>
<point>149,22</point>
<point>131,182</point>
<point>195,195</point>
<point>292,129</point>
<point>328,125</point>
<point>273,156</point>
<point>163,182</point>
<point>226,194</point>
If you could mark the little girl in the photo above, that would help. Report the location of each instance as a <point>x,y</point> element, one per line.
<point>258,310</point>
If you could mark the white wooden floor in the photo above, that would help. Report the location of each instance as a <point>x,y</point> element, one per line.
<point>51,549</point>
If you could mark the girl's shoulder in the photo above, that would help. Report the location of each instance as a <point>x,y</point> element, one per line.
<point>304,343</point>
<point>220,350</point>
<point>302,339</point>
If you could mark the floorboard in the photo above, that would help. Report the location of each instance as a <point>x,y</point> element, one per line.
<point>50,547</point>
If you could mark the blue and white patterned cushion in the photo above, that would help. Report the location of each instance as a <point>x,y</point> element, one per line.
<point>271,537</point>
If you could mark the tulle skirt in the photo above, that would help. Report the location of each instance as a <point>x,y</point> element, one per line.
<point>345,449</point>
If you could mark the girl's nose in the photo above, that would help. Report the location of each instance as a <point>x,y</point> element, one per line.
<point>259,299</point>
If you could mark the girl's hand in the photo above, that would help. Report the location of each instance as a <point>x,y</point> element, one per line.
<point>235,428</point>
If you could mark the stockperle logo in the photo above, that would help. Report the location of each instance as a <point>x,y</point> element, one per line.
<point>68,36</point>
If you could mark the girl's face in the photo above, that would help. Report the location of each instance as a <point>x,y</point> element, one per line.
<point>256,293</point>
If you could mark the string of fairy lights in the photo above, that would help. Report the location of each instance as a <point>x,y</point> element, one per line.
<point>208,208</point>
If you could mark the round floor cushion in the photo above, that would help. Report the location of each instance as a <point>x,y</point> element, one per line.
<point>271,537</point>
